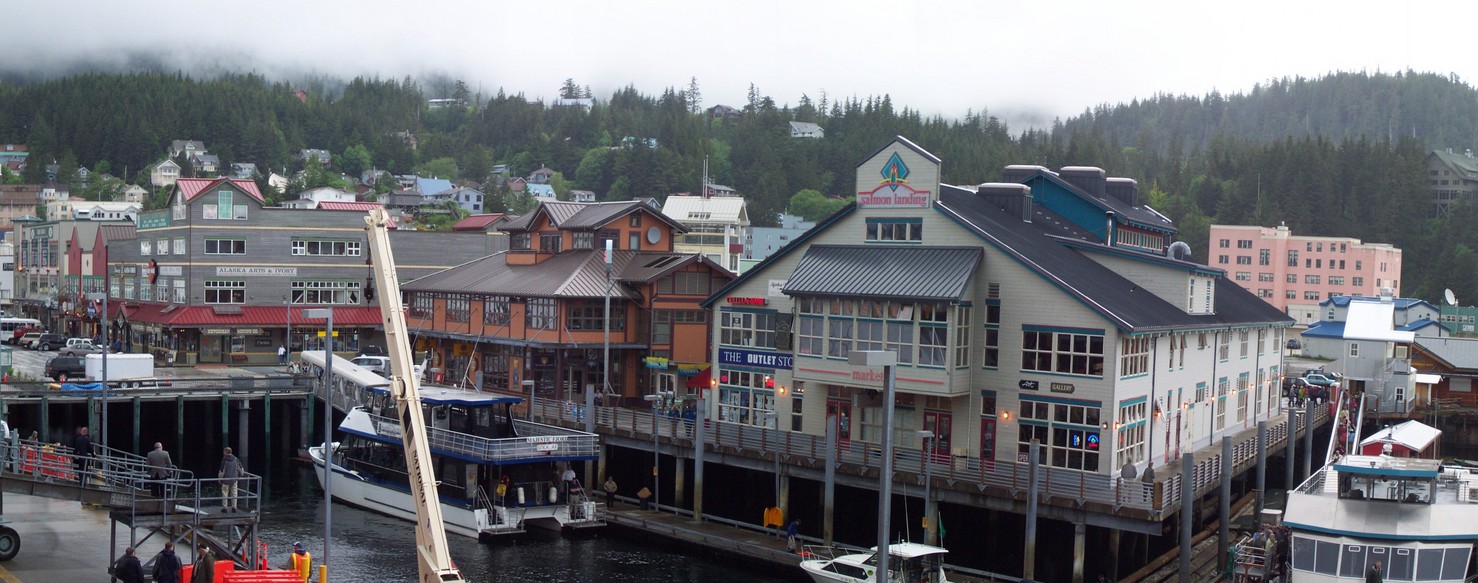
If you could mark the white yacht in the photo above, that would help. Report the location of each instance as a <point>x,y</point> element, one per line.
<point>907,563</point>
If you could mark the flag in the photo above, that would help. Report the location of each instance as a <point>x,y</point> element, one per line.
<point>939,520</point>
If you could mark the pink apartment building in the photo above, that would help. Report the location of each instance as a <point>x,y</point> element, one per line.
<point>1295,273</point>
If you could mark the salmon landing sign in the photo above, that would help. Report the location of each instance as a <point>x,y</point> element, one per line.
<point>901,175</point>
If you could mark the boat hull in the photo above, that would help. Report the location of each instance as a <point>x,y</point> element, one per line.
<point>354,490</point>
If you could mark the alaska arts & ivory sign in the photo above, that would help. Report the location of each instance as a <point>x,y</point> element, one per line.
<point>242,270</point>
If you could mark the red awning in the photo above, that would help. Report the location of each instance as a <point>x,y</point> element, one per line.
<point>245,316</point>
<point>701,380</point>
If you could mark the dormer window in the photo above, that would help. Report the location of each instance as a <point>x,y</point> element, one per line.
<point>583,241</point>
<point>520,241</point>
<point>550,243</point>
<point>636,219</point>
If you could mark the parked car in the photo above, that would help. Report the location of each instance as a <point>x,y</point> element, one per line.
<point>66,367</point>
<point>76,341</point>
<point>50,341</point>
<point>22,331</point>
<point>1294,344</point>
<point>79,349</point>
<point>1320,379</point>
<point>28,340</point>
<point>372,350</point>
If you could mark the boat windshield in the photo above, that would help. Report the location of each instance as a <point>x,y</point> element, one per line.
<point>916,569</point>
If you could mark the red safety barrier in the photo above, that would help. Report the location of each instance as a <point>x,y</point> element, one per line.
<point>259,577</point>
<point>48,463</point>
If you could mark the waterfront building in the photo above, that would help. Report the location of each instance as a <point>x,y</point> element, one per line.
<point>1050,306</point>
<point>1295,272</point>
<point>717,226</point>
<point>217,276</point>
<point>533,316</point>
<point>54,267</point>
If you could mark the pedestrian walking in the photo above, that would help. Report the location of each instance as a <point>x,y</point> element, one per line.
<point>204,570</point>
<point>792,534</point>
<point>1375,575</point>
<point>159,469</point>
<point>610,489</point>
<point>229,474</point>
<point>282,355</point>
<point>82,453</point>
<point>167,565</point>
<point>128,569</point>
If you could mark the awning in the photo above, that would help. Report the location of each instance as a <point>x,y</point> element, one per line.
<point>1426,379</point>
<point>701,380</point>
<point>876,272</point>
<point>1413,435</point>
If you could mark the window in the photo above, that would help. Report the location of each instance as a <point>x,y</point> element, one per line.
<point>1242,397</point>
<point>550,242</point>
<point>540,314</point>
<point>1244,243</point>
<point>1068,432</point>
<point>635,221</point>
<point>520,242</point>
<point>1221,404</point>
<point>1244,260</point>
<point>1224,348</point>
<point>991,356</point>
<point>327,292</point>
<point>1224,243</point>
<point>1130,445</point>
<point>1264,256</point>
<point>1244,276</point>
<point>1309,247</point>
<point>1359,265</point>
<point>932,342</point>
<point>1134,356</point>
<point>1064,352</point>
<point>146,291</point>
<point>752,329</point>
<point>146,247</point>
<point>688,283</point>
<point>495,310</point>
<point>900,340</point>
<point>1354,350</point>
<point>162,247</point>
<point>225,292</point>
<point>225,246</point>
<point>894,230</point>
<point>327,247</point>
<point>1264,276</point>
<point>584,240</point>
<point>1293,258</point>
<point>745,396</point>
<point>839,337</point>
<point>420,305</point>
<point>1357,281</point>
<point>590,315</point>
<point>1311,295</point>
<point>179,291</point>
<point>1292,278</point>
<point>1242,340</point>
<point>458,308</point>
<point>1222,259</point>
<point>179,246</point>
<point>870,334</point>
<point>962,336</point>
<point>1336,280</point>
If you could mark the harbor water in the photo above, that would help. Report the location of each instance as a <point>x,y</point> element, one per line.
<point>370,547</point>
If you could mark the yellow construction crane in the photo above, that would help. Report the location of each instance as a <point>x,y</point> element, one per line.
<point>433,559</point>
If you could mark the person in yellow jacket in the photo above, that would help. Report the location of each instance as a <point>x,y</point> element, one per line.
<point>300,561</point>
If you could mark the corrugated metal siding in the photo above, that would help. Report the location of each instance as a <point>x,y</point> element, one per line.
<point>937,273</point>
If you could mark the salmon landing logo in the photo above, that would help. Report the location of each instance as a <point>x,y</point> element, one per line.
<point>893,190</point>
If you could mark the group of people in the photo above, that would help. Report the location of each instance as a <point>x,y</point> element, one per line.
<point>168,566</point>
<point>162,469</point>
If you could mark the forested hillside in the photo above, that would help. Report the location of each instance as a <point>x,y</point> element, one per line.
<point>1340,155</point>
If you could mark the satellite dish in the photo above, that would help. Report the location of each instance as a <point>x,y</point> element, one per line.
<point>1448,295</point>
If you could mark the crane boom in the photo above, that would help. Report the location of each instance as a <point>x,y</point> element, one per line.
<point>434,560</point>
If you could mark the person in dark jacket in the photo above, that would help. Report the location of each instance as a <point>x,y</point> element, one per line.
<point>205,566</point>
<point>128,569</point>
<point>1375,575</point>
<point>230,475</point>
<point>82,453</point>
<point>167,565</point>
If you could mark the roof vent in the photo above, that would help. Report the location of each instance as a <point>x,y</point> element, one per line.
<point>1180,251</point>
<point>1015,199</point>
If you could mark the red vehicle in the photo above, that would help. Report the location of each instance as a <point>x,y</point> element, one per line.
<point>22,331</point>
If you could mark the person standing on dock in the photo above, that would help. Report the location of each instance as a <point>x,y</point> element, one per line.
<point>300,561</point>
<point>610,489</point>
<point>205,565</point>
<point>282,355</point>
<point>792,534</point>
<point>82,453</point>
<point>167,565</point>
<point>159,466</point>
<point>128,569</point>
<point>230,472</point>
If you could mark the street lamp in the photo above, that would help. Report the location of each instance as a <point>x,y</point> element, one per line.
<point>656,400</point>
<point>103,317</point>
<point>887,359</point>
<point>928,451</point>
<point>328,419</point>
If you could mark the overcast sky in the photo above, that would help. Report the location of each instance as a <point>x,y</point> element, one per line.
<point>1022,60</point>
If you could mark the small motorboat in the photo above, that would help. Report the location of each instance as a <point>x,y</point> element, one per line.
<point>907,563</point>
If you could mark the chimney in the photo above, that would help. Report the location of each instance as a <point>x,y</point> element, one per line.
<point>1089,179</point>
<point>1468,153</point>
<point>1020,172</point>
<point>1124,189</point>
<point>1015,199</point>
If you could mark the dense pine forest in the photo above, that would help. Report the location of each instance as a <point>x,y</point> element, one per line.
<point>1340,155</point>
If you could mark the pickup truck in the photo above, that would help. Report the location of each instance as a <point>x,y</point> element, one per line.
<point>79,349</point>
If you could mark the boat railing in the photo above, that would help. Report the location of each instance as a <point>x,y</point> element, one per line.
<point>534,443</point>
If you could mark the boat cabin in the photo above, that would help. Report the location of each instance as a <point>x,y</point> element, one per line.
<point>1403,480</point>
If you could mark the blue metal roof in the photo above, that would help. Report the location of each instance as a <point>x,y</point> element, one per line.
<point>1400,303</point>
<point>1325,329</point>
<point>430,186</point>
